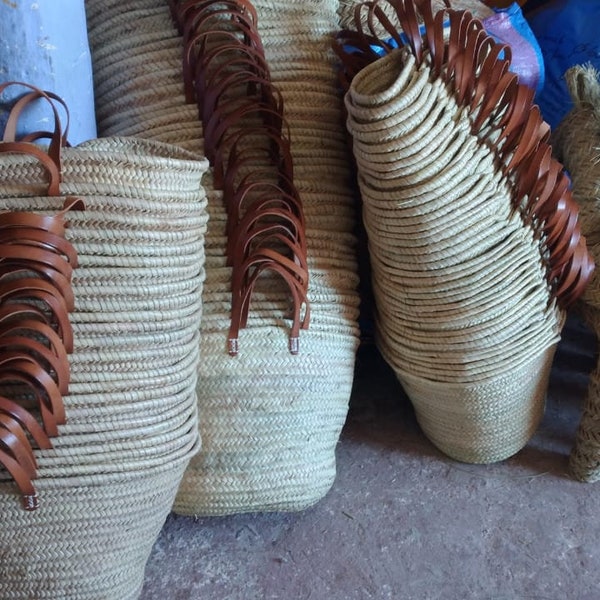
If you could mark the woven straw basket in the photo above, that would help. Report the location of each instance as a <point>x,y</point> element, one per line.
<point>269,420</point>
<point>108,483</point>
<point>577,143</point>
<point>460,258</point>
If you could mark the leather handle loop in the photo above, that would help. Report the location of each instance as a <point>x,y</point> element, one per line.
<point>46,161</point>
<point>226,73</point>
<point>27,421</point>
<point>219,123</point>
<point>227,57</point>
<point>252,224</point>
<point>25,368</point>
<point>22,479</point>
<point>240,152</point>
<point>15,324</point>
<point>271,193</point>
<point>14,440</point>
<point>39,239</point>
<point>47,295</point>
<point>269,96</point>
<point>58,137</point>
<point>33,347</point>
<point>241,303</point>
<point>195,52</point>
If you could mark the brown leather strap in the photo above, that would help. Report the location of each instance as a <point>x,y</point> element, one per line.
<point>51,224</point>
<point>27,369</point>
<point>274,193</point>
<point>60,132</point>
<point>268,220</point>
<point>22,479</point>
<point>241,301</point>
<point>195,51</point>
<point>57,137</point>
<point>44,292</point>
<point>14,323</point>
<point>239,81</point>
<point>27,421</point>
<point>51,361</point>
<point>45,160</point>
<point>239,151</point>
<point>39,239</point>
<point>221,121</point>
<point>14,440</point>
<point>228,76</point>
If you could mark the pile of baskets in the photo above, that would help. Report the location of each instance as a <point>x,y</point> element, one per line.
<point>108,481</point>
<point>269,419</point>
<point>474,239</point>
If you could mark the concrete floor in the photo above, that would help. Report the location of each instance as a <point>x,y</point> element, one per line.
<point>403,521</point>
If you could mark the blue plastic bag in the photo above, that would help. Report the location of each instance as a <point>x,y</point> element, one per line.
<point>510,27</point>
<point>567,32</point>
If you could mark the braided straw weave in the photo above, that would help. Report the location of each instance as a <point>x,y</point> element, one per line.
<point>269,420</point>
<point>473,236</point>
<point>577,142</point>
<point>108,483</point>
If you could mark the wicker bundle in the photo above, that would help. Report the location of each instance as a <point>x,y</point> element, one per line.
<point>577,143</point>
<point>269,419</point>
<point>473,235</point>
<point>109,480</point>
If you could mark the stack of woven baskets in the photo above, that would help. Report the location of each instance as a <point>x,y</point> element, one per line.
<point>473,235</point>
<point>109,480</point>
<point>269,419</point>
<point>577,143</point>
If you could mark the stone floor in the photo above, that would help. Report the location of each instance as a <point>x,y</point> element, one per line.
<point>406,523</point>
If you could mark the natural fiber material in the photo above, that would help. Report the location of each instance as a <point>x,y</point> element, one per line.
<point>577,142</point>
<point>482,421</point>
<point>282,454</point>
<point>110,480</point>
<point>584,462</point>
<point>90,540</point>
<point>269,420</point>
<point>462,272</point>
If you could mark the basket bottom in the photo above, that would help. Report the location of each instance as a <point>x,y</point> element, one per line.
<point>482,422</point>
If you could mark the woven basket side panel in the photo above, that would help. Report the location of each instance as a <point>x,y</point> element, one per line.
<point>471,420</point>
<point>92,542</point>
<point>286,415</point>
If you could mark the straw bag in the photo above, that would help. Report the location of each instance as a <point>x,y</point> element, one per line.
<point>108,481</point>
<point>473,235</point>
<point>577,143</point>
<point>269,419</point>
